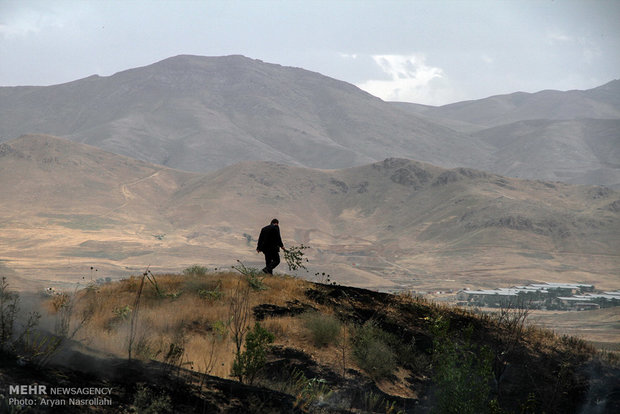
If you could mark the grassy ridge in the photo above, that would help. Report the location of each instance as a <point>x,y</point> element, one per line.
<point>391,346</point>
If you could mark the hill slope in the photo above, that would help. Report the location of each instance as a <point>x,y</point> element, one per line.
<point>396,223</point>
<point>323,349</point>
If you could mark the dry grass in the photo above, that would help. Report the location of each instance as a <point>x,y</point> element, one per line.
<point>193,313</point>
<point>183,315</point>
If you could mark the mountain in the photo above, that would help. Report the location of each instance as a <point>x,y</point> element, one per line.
<point>203,113</point>
<point>571,136</point>
<point>392,224</point>
<point>602,102</point>
<point>578,151</point>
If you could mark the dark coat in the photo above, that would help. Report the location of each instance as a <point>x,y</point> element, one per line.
<point>269,239</point>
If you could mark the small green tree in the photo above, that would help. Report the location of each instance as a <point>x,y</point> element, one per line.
<point>249,363</point>
<point>462,373</point>
<point>9,307</point>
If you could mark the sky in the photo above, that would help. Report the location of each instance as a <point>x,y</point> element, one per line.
<point>429,52</point>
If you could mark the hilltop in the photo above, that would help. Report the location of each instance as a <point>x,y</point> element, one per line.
<point>325,349</point>
<point>201,114</point>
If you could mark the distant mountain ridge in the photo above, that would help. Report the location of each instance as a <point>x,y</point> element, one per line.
<point>571,136</point>
<point>203,113</point>
<point>602,102</point>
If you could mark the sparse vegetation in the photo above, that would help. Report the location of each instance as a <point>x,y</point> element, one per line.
<point>462,372</point>
<point>248,363</point>
<point>446,354</point>
<point>239,315</point>
<point>375,403</point>
<point>307,391</point>
<point>294,257</point>
<point>9,308</point>
<point>25,342</point>
<point>322,277</point>
<point>147,402</point>
<point>372,351</point>
<point>212,294</point>
<point>324,328</point>
<point>195,271</point>
<point>253,276</point>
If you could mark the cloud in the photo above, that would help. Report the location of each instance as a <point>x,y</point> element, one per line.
<point>16,29</point>
<point>23,22</point>
<point>588,49</point>
<point>487,59</point>
<point>409,78</point>
<point>555,37</point>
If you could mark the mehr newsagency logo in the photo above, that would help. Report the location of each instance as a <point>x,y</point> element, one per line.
<point>37,395</point>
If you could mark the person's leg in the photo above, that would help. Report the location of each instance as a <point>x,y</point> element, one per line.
<point>272,259</point>
<point>267,259</point>
<point>275,261</point>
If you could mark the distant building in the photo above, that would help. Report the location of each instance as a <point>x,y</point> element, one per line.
<point>577,296</point>
<point>571,288</point>
<point>578,303</point>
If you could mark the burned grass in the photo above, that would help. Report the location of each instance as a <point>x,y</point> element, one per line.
<point>341,349</point>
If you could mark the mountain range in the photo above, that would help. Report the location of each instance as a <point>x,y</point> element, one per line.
<point>201,114</point>
<point>393,224</point>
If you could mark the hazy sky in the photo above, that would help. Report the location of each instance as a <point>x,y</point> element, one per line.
<point>431,52</point>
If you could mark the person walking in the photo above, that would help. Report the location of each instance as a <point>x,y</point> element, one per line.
<point>270,243</point>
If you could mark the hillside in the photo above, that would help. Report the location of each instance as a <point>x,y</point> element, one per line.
<point>222,342</point>
<point>204,113</point>
<point>396,224</point>
<point>69,206</point>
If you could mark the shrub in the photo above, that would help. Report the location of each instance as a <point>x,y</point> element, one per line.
<point>195,270</point>
<point>462,373</point>
<point>12,340</point>
<point>9,308</point>
<point>122,312</point>
<point>145,402</point>
<point>253,276</point>
<point>325,329</point>
<point>205,287</point>
<point>248,363</point>
<point>59,301</point>
<point>372,352</point>
<point>307,391</point>
<point>211,294</point>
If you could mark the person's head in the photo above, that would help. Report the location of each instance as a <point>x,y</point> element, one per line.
<point>275,221</point>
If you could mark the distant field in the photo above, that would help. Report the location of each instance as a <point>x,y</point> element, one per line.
<point>601,327</point>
